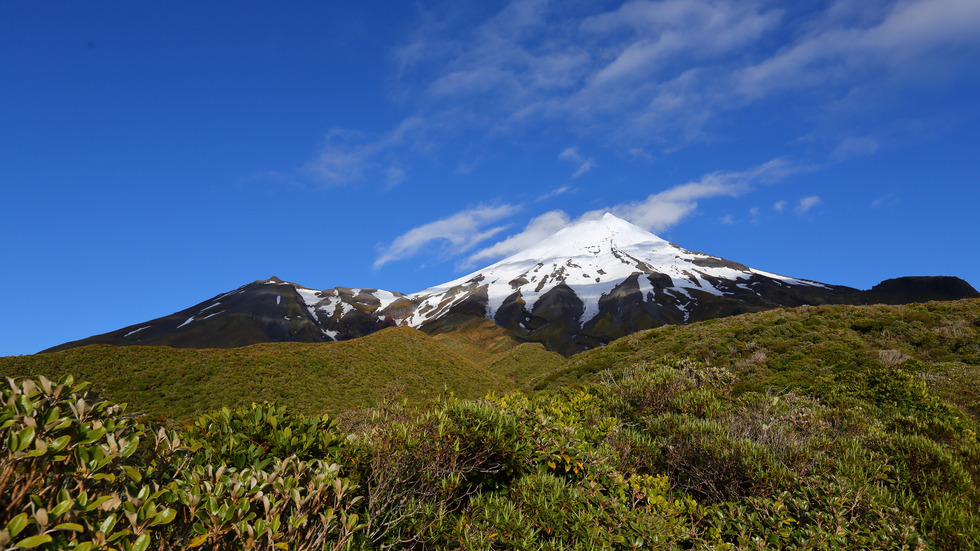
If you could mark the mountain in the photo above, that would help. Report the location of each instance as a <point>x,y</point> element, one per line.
<point>583,287</point>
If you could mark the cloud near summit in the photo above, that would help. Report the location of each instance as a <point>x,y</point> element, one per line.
<point>463,231</point>
<point>657,212</point>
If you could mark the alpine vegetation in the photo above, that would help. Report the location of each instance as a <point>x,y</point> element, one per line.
<point>848,445</point>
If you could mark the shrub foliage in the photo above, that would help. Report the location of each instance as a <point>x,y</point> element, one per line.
<point>663,454</point>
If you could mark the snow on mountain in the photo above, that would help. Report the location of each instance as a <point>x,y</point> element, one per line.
<point>592,258</point>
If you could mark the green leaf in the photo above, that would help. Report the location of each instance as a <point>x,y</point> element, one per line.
<point>84,546</point>
<point>133,473</point>
<point>198,541</point>
<point>164,517</point>
<point>61,507</point>
<point>93,435</point>
<point>107,524</point>
<point>130,447</point>
<point>17,524</point>
<point>34,541</point>
<point>59,443</point>
<point>141,543</point>
<point>119,535</point>
<point>70,526</point>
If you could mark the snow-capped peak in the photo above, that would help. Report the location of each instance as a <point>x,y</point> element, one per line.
<point>591,257</point>
<point>589,238</point>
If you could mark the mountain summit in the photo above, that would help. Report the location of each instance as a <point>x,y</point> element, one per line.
<point>584,286</point>
<point>592,259</point>
<point>605,278</point>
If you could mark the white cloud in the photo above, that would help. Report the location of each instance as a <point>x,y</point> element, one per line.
<point>650,77</point>
<point>662,210</point>
<point>554,193</point>
<point>666,69</point>
<point>348,156</point>
<point>656,213</point>
<point>909,39</point>
<point>463,230</point>
<point>854,147</point>
<point>537,229</point>
<point>807,203</point>
<point>572,155</point>
<point>666,30</point>
<point>728,219</point>
<point>779,206</point>
<point>638,153</point>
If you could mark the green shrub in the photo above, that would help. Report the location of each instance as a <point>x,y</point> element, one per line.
<point>75,473</point>
<point>420,466</point>
<point>825,514</point>
<point>252,436</point>
<point>654,389</point>
<point>704,460</point>
<point>68,479</point>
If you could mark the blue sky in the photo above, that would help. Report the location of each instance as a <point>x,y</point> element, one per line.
<point>153,155</point>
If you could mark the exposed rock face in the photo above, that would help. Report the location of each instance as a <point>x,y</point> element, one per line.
<point>587,285</point>
<point>903,290</point>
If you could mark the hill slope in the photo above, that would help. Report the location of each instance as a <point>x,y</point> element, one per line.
<point>309,378</point>
<point>792,347</point>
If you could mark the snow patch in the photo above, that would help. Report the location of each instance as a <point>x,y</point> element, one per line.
<point>646,289</point>
<point>136,330</point>
<point>385,297</point>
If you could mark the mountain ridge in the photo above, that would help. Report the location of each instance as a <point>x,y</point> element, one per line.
<point>584,286</point>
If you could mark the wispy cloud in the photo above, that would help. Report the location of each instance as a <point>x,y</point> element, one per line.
<point>649,77</point>
<point>779,206</point>
<point>807,203</point>
<point>902,41</point>
<point>554,193</point>
<point>652,73</point>
<point>348,156</point>
<point>572,155</point>
<point>657,212</point>
<point>463,231</point>
<point>665,209</point>
<point>539,228</point>
<point>854,147</point>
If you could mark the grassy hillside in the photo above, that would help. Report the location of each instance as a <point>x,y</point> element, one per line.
<point>484,343</point>
<point>791,348</point>
<point>309,378</point>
